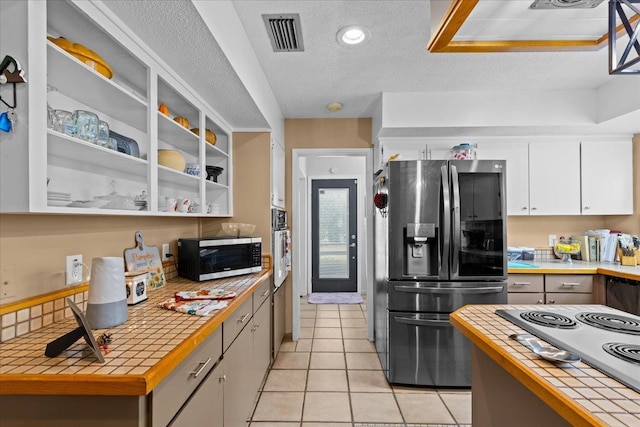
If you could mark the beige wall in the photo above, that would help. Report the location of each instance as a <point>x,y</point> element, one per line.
<point>36,246</point>
<point>318,133</point>
<point>251,187</point>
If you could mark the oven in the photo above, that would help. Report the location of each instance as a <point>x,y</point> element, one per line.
<point>281,247</point>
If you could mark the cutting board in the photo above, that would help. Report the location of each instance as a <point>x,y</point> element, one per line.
<point>145,259</point>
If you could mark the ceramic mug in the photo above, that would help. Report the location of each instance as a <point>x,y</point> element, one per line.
<point>184,205</point>
<point>172,205</point>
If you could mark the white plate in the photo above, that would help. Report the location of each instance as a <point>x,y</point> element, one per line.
<point>58,202</point>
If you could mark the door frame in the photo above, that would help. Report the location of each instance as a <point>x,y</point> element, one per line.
<point>301,227</point>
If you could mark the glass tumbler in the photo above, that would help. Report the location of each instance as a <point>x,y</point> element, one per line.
<point>86,124</point>
<point>103,135</point>
<point>62,117</point>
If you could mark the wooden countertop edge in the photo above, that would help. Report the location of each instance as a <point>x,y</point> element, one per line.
<point>617,273</point>
<point>575,414</point>
<point>122,385</point>
<point>560,270</point>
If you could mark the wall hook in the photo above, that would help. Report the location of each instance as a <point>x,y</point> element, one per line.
<point>15,76</point>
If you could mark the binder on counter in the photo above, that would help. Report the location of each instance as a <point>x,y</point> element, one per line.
<point>584,246</point>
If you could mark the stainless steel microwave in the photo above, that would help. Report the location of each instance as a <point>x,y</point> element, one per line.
<point>217,257</point>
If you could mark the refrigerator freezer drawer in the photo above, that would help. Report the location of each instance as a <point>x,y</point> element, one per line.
<point>443,297</point>
<point>425,349</point>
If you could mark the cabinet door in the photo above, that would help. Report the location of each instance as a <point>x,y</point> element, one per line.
<point>554,178</point>
<point>278,319</point>
<point>239,393</point>
<point>516,155</point>
<point>261,343</point>
<point>206,404</point>
<point>277,173</point>
<point>607,177</point>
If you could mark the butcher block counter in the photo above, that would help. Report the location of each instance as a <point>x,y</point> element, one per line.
<point>513,386</point>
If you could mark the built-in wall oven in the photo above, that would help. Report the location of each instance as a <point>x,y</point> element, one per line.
<point>281,246</point>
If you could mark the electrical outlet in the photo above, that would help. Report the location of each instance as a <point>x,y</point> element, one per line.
<point>7,282</point>
<point>165,252</point>
<point>74,269</point>
<point>552,239</point>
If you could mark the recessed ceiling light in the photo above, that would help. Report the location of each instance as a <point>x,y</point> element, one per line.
<point>353,34</point>
<point>334,107</point>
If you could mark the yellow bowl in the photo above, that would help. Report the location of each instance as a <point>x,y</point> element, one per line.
<point>172,159</point>
<point>237,229</point>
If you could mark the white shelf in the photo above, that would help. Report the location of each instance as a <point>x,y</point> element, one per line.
<point>76,80</point>
<point>212,150</point>
<point>178,136</point>
<point>215,186</point>
<point>172,178</point>
<point>66,151</point>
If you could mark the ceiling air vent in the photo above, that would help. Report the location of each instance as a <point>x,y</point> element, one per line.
<point>284,32</point>
<point>565,4</point>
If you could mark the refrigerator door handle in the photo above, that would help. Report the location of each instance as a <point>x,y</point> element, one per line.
<point>455,233</point>
<point>449,291</point>
<point>422,322</point>
<point>445,226</point>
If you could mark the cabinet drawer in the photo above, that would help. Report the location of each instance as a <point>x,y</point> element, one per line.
<point>175,389</point>
<point>581,283</point>
<point>525,283</point>
<point>525,298</point>
<point>235,323</point>
<point>569,298</point>
<point>261,294</point>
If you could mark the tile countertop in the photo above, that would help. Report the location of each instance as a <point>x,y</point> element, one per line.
<point>584,395</point>
<point>579,267</point>
<point>145,349</point>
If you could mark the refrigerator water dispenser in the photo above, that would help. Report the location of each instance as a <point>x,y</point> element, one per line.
<point>420,238</point>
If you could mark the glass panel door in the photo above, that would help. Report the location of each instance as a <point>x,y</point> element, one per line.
<point>334,243</point>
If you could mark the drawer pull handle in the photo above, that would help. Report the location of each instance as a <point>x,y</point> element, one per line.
<point>265,293</point>
<point>243,318</point>
<point>571,285</point>
<point>521,283</point>
<point>539,302</point>
<point>552,301</point>
<point>202,366</point>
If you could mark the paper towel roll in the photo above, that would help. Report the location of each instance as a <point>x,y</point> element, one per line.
<point>107,300</point>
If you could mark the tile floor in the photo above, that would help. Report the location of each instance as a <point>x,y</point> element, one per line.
<point>332,377</point>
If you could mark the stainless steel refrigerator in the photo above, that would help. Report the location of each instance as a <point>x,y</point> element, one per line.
<point>440,243</point>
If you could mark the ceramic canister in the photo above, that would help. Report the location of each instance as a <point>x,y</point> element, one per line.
<point>107,300</point>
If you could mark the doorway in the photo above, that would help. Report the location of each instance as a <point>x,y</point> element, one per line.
<point>308,165</point>
<point>334,235</point>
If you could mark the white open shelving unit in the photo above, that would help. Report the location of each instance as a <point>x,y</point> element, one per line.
<point>128,102</point>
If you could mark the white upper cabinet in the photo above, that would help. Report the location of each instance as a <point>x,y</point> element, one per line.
<point>57,170</point>
<point>277,173</point>
<point>517,156</point>
<point>607,177</point>
<point>554,177</point>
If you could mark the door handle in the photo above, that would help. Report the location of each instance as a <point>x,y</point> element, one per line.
<point>353,245</point>
<point>448,291</point>
<point>421,322</point>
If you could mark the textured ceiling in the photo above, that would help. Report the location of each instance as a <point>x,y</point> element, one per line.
<point>395,59</point>
<point>175,31</point>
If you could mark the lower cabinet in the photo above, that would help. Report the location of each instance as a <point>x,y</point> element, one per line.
<point>205,407</point>
<point>550,289</point>
<point>247,361</point>
<point>239,393</point>
<point>278,319</point>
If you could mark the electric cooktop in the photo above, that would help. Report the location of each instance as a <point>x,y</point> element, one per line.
<point>605,338</point>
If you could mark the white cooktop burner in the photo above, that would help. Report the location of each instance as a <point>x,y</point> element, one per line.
<point>605,338</point>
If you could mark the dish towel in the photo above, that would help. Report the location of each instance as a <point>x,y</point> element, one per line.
<point>204,294</point>
<point>197,307</point>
